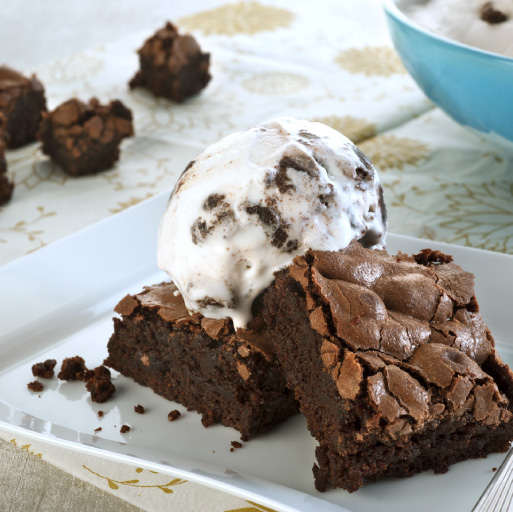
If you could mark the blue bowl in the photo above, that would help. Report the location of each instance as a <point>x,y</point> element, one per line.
<point>473,86</point>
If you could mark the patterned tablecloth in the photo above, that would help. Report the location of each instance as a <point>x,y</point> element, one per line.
<point>330,61</point>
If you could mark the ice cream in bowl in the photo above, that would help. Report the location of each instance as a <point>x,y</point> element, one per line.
<point>460,52</point>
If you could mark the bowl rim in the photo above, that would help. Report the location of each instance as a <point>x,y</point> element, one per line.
<point>391,8</point>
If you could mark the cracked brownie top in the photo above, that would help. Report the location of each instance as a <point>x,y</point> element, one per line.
<point>404,333</point>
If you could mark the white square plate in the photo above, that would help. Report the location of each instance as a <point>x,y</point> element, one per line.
<point>58,302</point>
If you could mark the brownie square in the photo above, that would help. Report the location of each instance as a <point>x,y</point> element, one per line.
<point>172,65</point>
<point>22,101</point>
<point>392,364</point>
<point>229,377</point>
<point>5,185</point>
<point>84,138</point>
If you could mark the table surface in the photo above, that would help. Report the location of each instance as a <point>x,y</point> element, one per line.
<point>45,488</point>
<point>332,63</point>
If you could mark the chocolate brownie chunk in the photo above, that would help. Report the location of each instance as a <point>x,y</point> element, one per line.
<point>6,186</point>
<point>174,415</point>
<point>84,138</point>
<point>35,386</point>
<point>45,369</point>
<point>101,389</point>
<point>172,65</point>
<point>72,368</point>
<point>139,409</point>
<point>229,377</point>
<point>427,257</point>
<point>124,429</point>
<point>394,368</point>
<point>100,372</point>
<point>22,101</point>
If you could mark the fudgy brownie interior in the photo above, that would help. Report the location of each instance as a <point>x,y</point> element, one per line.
<point>229,377</point>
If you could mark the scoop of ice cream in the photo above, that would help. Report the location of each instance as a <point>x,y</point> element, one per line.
<point>251,202</point>
<point>485,24</point>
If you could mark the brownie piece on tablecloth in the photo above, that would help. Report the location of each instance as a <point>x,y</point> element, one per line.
<point>392,364</point>
<point>172,65</point>
<point>84,138</point>
<point>6,186</point>
<point>201,363</point>
<point>22,101</point>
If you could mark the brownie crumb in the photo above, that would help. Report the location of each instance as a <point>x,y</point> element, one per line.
<point>244,438</point>
<point>101,389</point>
<point>492,15</point>
<point>236,444</point>
<point>427,257</point>
<point>173,415</point>
<point>100,413</point>
<point>35,386</point>
<point>98,429</point>
<point>72,368</point>
<point>208,418</point>
<point>494,469</point>
<point>44,370</point>
<point>139,409</point>
<point>100,372</point>
<point>124,429</point>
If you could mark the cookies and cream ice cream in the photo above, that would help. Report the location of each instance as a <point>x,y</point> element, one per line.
<point>251,202</point>
<point>481,23</point>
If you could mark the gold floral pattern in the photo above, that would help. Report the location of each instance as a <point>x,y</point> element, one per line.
<point>26,448</point>
<point>255,507</point>
<point>480,215</point>
<point>390,151</point>
<point>275,83</point>
<point>239,18</point>
<point>355,128</point>
<point>123,205</point>
<point>26,229</point>
<point>473,214</point>
<point>136,482</point>
<point>72,68</point>
<point>370,61</point>
<point>31,168</point>
<point>154,114</point>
